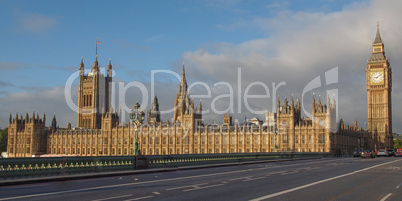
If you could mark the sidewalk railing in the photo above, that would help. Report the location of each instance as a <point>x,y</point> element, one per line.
<point>201,159</point>
<point>11,168</point>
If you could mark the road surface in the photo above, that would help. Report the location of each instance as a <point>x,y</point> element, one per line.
<point>321,179</point>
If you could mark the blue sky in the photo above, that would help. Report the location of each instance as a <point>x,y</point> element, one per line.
<point>42,43</point>
<point>140,35</point>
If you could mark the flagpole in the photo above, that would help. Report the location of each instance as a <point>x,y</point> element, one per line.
<point>96,46</point>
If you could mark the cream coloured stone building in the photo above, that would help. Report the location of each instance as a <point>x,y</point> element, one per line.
<point>99,132</point>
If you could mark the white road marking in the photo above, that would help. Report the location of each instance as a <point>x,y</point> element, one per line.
<point>156,193</point>
<point>180,187</point>
<point>152,181</point>
<point>203,187</point>
<point>141,198</point>
<point>290,172</point>
<point>110,198</point>
<point>239,178</point>
<point>319,182</point>
<point>272,173</point>
<point>310,168</point>
<point>254,178</point>
<point>386,197</point>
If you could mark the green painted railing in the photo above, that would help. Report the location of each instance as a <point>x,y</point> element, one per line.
<point>28,167</point>
<point>201,159</point>
<point>11,168</point>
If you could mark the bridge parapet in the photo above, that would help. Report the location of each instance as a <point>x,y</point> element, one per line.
<point>11,168</point>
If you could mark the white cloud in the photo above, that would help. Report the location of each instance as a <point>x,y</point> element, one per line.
<point>304,45</point>
<point>50,101</point>
<point>300,47</point>
<point>37,23</point>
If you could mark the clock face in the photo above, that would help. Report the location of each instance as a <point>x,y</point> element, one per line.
<point>377,77</point>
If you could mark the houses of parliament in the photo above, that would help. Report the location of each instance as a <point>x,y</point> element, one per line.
<point>99,132</point>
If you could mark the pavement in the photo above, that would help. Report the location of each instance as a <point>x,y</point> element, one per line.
<point>321,179</point>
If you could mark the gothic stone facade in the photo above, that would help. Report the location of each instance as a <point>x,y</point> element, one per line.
<point>188,134</point>
<point>99,132</point>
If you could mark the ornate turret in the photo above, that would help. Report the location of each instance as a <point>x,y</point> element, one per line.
<point>378,53</point>
<point>319,101</point>
<point>377,36</point>
<point>183,82</point>
<point>278,104</point>
<point>292,104</point>
<point>82,66</point>
<point>95,67</point>
<point>200,107</point>
<point>109,68</point>
<point>184,109</point>
<point>328,101</point>
<point>153,113</point>
<point>334,103</point>
<point>313,102</point>
<point>356,126</point>
<point>54,123</point>
<point>298,104</point>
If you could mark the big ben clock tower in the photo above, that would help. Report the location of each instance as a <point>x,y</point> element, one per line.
<point>379,86</point>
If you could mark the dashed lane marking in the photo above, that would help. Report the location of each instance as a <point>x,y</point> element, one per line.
<point>141,198</point>
<point>111,198</point>
<point>180,187</point>
<point>203,187</point>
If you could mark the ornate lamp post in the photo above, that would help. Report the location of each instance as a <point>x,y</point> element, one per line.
<point>136,118</point>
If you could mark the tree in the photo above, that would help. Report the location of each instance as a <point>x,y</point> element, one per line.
<point>397,143</point>
<point>3,139</point>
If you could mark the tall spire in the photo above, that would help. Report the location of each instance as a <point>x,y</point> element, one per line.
<point>319,99</point>
<point>313,101</point>
<point>183,83</point>
<point>278,104</point>
<point>96,64</point>
<point>292,104</point>
<point>82,63</point>
<point>109,68</point>
<point>378,36</point>
<point>54,122</point>
<point>110,64</point>
<point>183,74</point>
<point>81,70</point>
<point>378,47</point>
<point>200,107</point>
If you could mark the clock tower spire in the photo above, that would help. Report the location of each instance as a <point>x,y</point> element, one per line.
<point>379,87</point>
